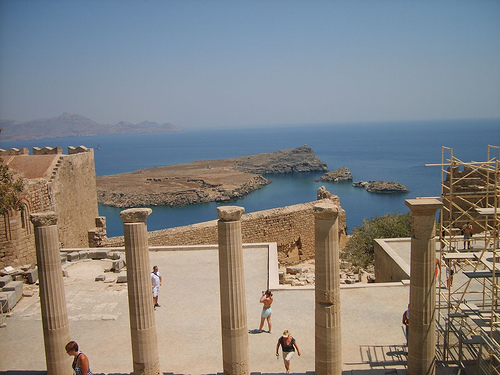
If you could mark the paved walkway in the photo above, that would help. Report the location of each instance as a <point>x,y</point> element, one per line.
<point>188,321</point>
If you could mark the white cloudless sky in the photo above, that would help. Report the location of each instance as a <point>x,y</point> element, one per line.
<point>216,63</point>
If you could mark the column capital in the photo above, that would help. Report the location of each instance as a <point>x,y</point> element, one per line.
<point>135,215</point>
<point>230,213</point>
<point>423,206</point>
<point>325,211</point>
<point>43,219</point>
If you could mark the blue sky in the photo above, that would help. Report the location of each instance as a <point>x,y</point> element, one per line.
<point>236,63</point>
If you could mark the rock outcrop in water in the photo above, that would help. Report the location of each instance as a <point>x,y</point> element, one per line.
<point>338,175</point>
<point>382,186</point>
<point>203,181</point>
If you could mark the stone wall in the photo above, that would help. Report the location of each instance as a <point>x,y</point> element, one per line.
<point>389,266</point>
<point>74,196</point>
<point>70,191</point>
<point>291,227</point>
<point>17,241</point>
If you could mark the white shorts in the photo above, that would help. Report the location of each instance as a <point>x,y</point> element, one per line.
<point>156,291</point>
<point>287,356</point>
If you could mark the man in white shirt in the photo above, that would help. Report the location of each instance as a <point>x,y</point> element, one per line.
<point>156,283</point>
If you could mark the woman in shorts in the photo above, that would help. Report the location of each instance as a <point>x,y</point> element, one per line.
<point>288,346</point>
<point>267,300</point>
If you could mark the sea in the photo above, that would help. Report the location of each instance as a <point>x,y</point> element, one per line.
<point>407,152</point>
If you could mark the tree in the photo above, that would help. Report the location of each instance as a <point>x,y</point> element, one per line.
<point>359,249</point>
<point>10,189</point>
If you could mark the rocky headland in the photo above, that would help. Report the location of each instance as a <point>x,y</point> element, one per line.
<point>203,181</point>
<point>338,175</point>
<point>381,186</point>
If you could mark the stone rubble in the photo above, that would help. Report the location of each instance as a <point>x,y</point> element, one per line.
<point>303,274</point>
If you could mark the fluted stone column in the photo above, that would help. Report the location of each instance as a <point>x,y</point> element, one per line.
<point>328,340</point>
<point>52,296</point>
<point>422,329</point>
<point>232,292</point>
<point>140,299</point>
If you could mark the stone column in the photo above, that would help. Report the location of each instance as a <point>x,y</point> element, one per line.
<point>52,296</point>
<point>140,298</point>
<point>328,339</point>
<point>232,292</point>
<point>422,329</point>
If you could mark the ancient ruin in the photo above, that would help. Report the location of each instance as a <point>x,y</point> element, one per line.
<point>452,326</point>
<point>51,179</point>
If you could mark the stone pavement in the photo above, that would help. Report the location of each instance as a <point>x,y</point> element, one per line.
<point>188,321</point>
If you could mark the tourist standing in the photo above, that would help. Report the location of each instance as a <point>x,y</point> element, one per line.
<point>81,362</point>
<point>288,346</point>
<point>156,282</point>
<point>406,322</point>
<point>467,230</point>
<point>267,300</point>
<point>451,269</point>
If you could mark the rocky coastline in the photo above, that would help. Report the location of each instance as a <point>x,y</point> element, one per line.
<point>203,181</point>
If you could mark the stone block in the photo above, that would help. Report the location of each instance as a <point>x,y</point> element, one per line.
<point>32,276</point>
<point>7,301</point>
<point>4,280</point>
<point>100,222</point>
<point>64,257</point>
<point>121,279</point>
<point>73,256</point>
<point>100,278</point>
<point>113,255</point>
<point>84,255</point>
<point>16,287</point>
<point>98,254</point>
<point>294,270</point>
<point>118,265</point>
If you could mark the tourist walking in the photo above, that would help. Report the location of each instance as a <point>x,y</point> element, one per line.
<point>156,282</point>
<point>80,364</point>
<point>467,230</point>
<point>288,346</point>
<point>267,300</point>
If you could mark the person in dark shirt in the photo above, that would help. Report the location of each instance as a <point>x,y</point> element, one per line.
<point>81,362</point>
<point>406,322</point>
<point>288,346</point>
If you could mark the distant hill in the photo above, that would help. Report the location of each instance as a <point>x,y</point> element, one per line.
<point>71,124</point>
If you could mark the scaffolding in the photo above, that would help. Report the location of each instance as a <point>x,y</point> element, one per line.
<point>468,269</point>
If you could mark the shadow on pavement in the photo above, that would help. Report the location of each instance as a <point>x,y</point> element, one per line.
<point>384,355</point>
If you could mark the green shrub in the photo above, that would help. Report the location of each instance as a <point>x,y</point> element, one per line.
<point>359,248</point>
<point>10,188</point>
